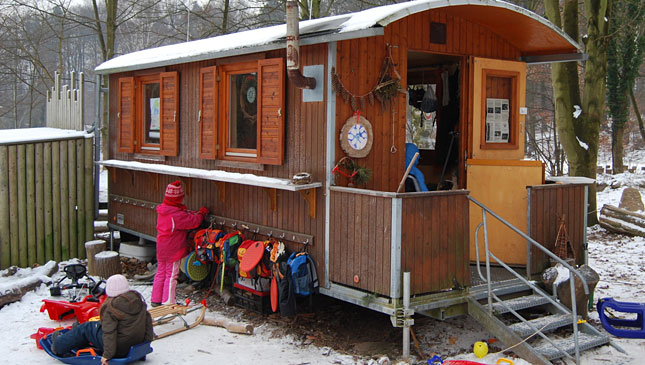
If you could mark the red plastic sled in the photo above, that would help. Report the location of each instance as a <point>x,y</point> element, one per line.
<point>84,310</point>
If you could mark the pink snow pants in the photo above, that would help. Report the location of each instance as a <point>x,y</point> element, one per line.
<point>164,287</point>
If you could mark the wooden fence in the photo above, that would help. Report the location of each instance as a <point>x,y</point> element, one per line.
<point>547,205</point>
<point>46,200</point>
<point>65,104</point>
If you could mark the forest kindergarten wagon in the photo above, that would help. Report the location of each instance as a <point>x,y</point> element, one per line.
<point>221,115</point>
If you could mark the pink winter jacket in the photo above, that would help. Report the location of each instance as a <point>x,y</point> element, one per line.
<point>173,224</point>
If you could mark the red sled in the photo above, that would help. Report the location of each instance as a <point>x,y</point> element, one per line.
<point>84,310</point>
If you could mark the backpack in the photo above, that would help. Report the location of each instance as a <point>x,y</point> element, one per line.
<point>205,240</point>
<point>227,248</point>
<point>303,273</point>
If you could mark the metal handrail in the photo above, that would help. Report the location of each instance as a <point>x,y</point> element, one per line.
<point>489,254</point>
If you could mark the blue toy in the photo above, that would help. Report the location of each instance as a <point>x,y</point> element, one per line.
<point>626,307</point>
<point>137,352</point>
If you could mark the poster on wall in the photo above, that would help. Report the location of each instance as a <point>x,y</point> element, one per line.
<point>497,120</point>
<point>155,108</point>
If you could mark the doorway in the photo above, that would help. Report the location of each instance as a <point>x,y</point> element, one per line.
<point>433,117</point>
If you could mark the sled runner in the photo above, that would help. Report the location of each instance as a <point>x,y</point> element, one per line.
<point>610,324</point>
<point>170,312</point>
<point>89,356</point>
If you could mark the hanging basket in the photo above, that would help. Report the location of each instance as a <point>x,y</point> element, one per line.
<point>356,136</point>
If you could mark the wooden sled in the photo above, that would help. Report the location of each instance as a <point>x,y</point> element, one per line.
<point>170,312</point>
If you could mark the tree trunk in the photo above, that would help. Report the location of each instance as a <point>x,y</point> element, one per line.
<point>579,136</point>
<point>622,221</point>
<point>641,128</point>
<point>91,249</point>
<point>617,150</point>
<point>107,263</point>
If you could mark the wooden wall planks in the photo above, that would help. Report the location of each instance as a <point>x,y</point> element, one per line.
<point>548,204</point>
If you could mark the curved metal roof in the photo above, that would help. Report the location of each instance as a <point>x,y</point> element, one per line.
<point>529,32</point>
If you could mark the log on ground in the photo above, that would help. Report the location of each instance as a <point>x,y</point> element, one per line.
<point>25,285</point>
<point>622,221</point>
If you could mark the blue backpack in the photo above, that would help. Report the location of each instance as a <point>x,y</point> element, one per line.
<point>303,273</point>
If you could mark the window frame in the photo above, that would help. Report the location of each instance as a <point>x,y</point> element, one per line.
<point>140,127</point>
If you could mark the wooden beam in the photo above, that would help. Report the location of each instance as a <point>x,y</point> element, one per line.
<point>272,197</point>
<point>310,197</point>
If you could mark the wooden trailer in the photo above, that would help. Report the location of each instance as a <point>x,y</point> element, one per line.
<point>221,115</point>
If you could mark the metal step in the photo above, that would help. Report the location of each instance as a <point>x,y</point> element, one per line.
<point>549,323</point>
<point>585,341</point>
<point>528,301</point>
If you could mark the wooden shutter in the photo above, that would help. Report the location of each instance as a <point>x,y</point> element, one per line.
<point>169,113</point>
<point>208,113</point>
<point>271,94</point>
<point>125,115</point>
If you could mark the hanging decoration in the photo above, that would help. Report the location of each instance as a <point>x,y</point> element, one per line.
<point>384,91</point>
<point>356,136</point>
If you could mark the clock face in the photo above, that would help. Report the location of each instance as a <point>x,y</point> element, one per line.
<point>357,137</point>
<point>251,93</point>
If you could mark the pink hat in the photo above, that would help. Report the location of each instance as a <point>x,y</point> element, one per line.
<point>116,285</point>
<point>174,190</point>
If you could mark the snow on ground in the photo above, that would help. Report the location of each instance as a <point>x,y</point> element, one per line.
<point>620,261</point>
<point>202,344</point>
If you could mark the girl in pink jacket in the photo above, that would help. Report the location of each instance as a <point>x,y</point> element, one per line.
<point>173,222</point>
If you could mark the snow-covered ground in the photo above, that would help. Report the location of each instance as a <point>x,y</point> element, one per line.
<point>620,261</point>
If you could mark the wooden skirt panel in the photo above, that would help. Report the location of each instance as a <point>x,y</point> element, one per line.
<point>435,242</point>
<point>360,241</point>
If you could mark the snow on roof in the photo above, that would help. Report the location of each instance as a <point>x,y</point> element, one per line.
<point>263,39</point>
<point>26,135</point>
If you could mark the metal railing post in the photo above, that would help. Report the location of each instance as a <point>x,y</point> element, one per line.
<point>406,307</point>
<point>488,284</point>
<point>574,313</point>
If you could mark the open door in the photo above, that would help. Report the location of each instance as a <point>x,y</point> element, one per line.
<point>497,174</point>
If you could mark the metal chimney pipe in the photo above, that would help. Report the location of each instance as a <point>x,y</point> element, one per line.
<point>293,49</point>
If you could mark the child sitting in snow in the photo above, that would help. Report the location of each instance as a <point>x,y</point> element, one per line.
<point>125,322</point>
<point>173,222</point>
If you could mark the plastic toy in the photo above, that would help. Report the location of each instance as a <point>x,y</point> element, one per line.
<point>480,349</point>
<point>89,356</point>
<point>436,358</point>
<point>610,324</point>
<point>83,310</point>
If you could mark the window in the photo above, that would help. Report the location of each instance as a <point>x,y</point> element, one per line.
<point>500,115</point>
<point>242,116</point>
<point>148,115</point>
<point>248,126</point>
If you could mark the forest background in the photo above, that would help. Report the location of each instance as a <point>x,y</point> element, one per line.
<point>582,115</point>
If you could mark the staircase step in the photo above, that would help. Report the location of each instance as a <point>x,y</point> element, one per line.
<point>549,323</point>
<point>527,301</point>
<point>585,341</point>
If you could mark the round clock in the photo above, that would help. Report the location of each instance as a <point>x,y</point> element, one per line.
<point>356,137</point>
<point>251,93</point>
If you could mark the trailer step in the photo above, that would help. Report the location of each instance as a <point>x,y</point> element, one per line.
<point>585,341</point>
<point>525,302</point>
<point>546,324</point>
